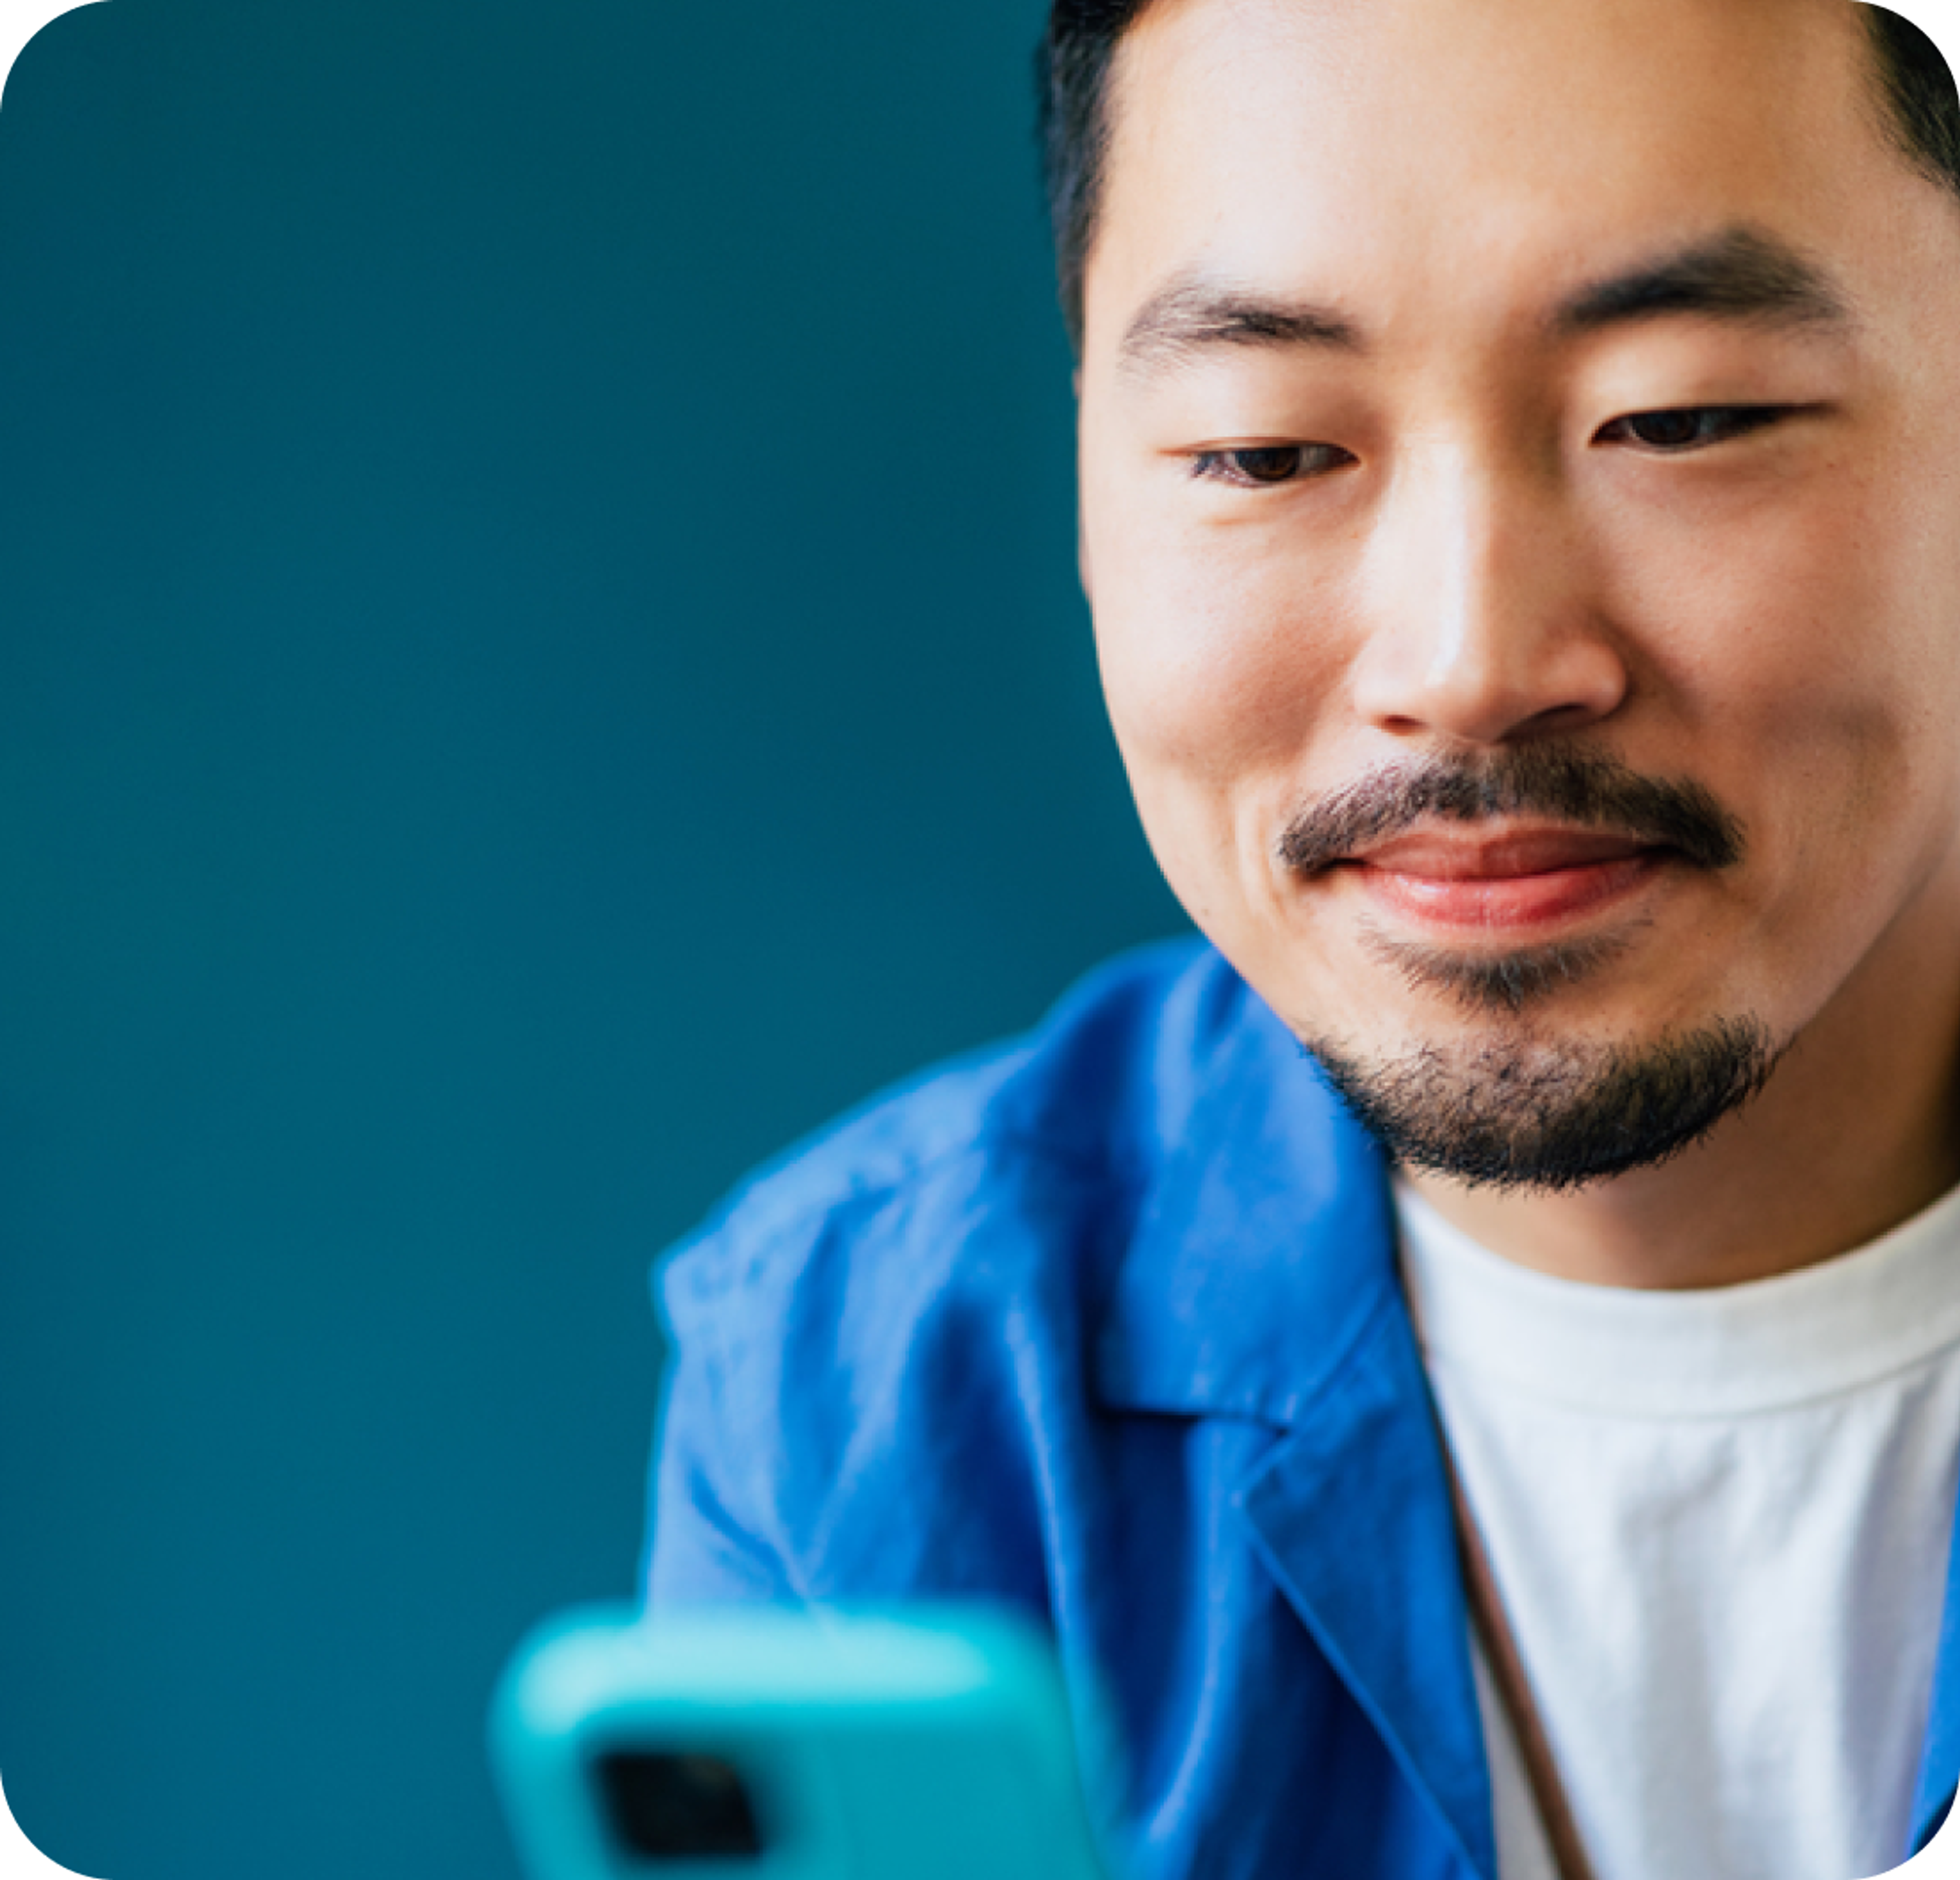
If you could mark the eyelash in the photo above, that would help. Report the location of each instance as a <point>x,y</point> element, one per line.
<point>1728,421</point>
<point>1714,423</point>
<point>1230,466</point>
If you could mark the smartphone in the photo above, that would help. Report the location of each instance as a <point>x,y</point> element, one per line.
<point>758,1743</point>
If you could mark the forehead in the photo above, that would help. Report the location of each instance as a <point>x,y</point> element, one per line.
<point>1438,154</point>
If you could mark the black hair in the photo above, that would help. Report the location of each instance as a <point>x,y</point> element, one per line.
<point>1917,88</point>
<point>1072,68</point>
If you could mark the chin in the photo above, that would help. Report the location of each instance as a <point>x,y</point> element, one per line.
<point>1539,1107</point>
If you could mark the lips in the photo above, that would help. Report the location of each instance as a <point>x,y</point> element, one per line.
<point>1508,878</point>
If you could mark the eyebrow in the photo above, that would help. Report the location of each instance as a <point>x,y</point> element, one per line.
<point>1740,275</point>
<point>1194,312</point>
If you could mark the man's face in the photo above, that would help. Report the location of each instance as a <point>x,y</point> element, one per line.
<point>1521,509</point>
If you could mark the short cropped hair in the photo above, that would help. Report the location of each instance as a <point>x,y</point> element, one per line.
<point>1072,63</point>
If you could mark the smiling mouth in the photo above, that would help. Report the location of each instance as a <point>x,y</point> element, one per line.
<point>1511,881</point>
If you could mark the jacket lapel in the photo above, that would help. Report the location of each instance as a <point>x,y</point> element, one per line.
<point>1261,1284</point>
<point>1352,1513</point>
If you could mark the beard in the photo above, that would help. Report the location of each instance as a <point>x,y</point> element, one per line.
<point>1519,1106</point>
<point>1549,1115</point>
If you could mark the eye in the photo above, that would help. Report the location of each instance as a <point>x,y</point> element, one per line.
<point>1261,466</point>
<point>1693,428</point>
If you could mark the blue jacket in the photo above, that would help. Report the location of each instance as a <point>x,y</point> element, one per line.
<point>1107,1325</point>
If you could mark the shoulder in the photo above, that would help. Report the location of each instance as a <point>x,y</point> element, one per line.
<point>897,1313</point>
<point>926,1251</point>
<point>1009,1146</point>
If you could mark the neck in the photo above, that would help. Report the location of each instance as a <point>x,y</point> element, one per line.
<point>1857,1130</point>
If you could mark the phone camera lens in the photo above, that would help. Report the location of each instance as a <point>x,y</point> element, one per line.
<point>678,1807</point>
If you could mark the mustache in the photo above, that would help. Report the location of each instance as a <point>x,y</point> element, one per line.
<point>1586,789</point>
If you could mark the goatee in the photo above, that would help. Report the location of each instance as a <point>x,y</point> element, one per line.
<point>1551,1116</point>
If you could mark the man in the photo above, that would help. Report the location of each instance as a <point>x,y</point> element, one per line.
<point>1520,474</point>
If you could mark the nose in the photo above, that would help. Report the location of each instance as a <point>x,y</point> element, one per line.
<point>1481,620</point>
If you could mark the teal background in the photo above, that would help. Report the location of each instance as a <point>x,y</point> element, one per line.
<point>540,658</point>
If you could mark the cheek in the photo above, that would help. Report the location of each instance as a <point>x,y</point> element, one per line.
<point>1828,618</point>
<point>1220,670</point>
<point>1218,663</point>
<point>1808,653</point>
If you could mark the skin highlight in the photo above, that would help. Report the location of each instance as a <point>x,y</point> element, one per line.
<point>1613,420</point>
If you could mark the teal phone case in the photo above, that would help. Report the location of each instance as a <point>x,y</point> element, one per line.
<point>763,1744</point>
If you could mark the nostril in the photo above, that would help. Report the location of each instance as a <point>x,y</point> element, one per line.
<point>1556,718</point>
<point>1487,687</point>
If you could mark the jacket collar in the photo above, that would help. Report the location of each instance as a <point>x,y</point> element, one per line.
<point>1261,1284</point>
<point>1264,1248</point>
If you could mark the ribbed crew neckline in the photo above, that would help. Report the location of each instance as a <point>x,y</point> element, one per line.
<point>1733,1351</point>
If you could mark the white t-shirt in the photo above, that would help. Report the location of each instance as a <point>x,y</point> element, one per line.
<point>1719,1522</point>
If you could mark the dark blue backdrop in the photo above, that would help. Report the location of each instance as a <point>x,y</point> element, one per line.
<point>538,658</point>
